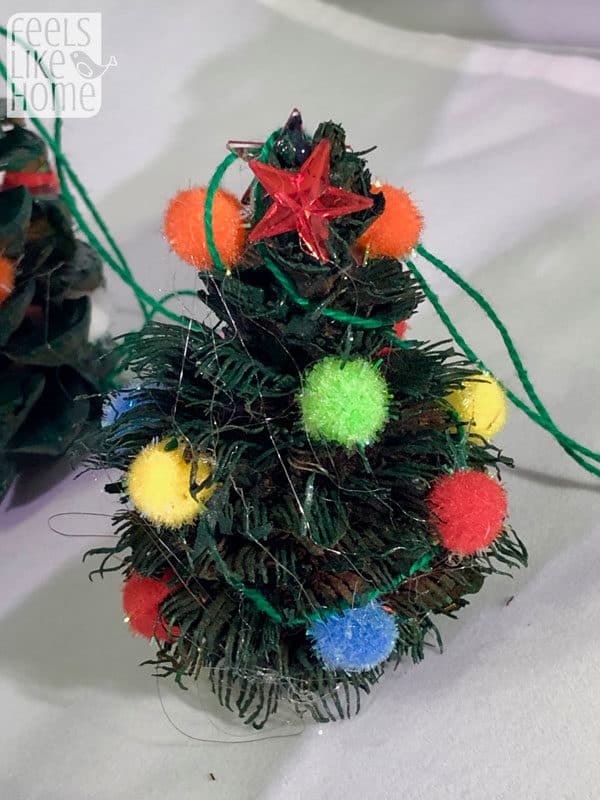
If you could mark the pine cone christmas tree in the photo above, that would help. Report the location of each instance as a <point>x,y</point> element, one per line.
<point>49,372</point>
<point>304,488</point>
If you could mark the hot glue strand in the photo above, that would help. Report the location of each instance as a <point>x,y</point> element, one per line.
<point>286,282</point>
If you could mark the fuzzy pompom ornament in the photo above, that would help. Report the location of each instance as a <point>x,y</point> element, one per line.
<point>398,228</point>
<point>7,278</point>
<point>118,403</point>
<point>142,597</point>
<point>184,227</point>
<point>400,328</point>
<point>481,404</point>
<point>158,483</point>
<point>468,509</point>
<point>344,401</point>
<point>355,640</point>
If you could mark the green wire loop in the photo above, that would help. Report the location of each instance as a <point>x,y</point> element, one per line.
<point>211,191</point>
<point>332,313</point>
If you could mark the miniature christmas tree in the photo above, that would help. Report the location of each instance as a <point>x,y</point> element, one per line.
<point>50,375</point>
<point>304,487</point>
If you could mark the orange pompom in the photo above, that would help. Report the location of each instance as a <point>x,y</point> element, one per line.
<point>184,227</point>
<point>7,277</point>
<point>396,231</point>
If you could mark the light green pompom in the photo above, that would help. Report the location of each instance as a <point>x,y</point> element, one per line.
<point>344,401</point>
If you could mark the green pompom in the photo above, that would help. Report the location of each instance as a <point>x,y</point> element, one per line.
<point>344,401</point>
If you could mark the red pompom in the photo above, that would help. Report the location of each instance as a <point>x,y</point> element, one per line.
<point>141,600</point>
<point>36,182</point>
<point>468,509</point>
<point>185,232</point>
<point>397,229</point>
<point>400,328</point>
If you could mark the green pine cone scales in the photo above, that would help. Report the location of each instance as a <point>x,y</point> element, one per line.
<point>49,371</point>
<point>299,524</point>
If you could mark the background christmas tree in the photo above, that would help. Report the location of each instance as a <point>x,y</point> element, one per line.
<point>50,375</point>
<point>305,488</point>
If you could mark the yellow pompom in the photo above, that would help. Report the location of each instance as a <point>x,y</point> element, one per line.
<point>158,483</point>
<point>482,403</point>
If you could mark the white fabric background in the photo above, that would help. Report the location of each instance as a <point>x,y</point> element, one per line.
<point>500,149</point>
<point>542,23</point>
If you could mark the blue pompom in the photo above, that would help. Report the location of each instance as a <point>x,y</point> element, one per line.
<point>356,639</point>
<point>118,403</point>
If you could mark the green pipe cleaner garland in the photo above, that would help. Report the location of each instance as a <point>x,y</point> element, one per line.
<point>149,306</point>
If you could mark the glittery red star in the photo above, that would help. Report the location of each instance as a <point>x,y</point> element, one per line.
<point>303,201</point>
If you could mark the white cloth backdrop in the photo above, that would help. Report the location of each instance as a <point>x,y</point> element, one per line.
<point>542,23</point>
<point>500,149</point>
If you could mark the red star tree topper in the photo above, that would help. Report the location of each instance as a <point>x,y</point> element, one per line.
<point>304,201</point>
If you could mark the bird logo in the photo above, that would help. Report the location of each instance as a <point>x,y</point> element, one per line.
<point>88,68</point>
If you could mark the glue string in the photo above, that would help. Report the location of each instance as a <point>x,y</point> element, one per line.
<point>232,738</point>
<point>78,515</point>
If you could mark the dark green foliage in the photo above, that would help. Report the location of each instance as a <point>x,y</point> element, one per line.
<point>50,375</point>
<point>21,150</point>
<point>296,528</point>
